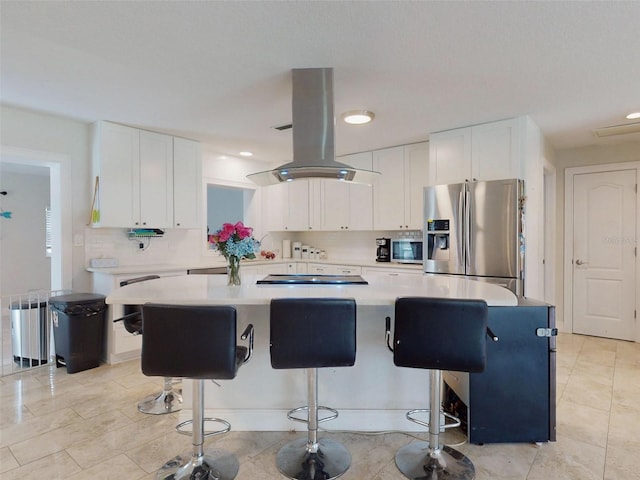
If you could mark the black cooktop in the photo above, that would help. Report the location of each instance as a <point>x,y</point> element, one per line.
<point>303,279</point>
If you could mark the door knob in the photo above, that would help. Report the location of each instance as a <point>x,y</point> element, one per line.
<point>580,262</point>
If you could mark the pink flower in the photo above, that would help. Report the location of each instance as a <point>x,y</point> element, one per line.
<point>226,232</point>
<point>242,231</point>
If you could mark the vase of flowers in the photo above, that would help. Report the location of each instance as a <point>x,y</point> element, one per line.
<point>234,242</point>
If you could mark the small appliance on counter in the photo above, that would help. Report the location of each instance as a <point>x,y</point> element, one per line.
<point>406,250</point>
<point>297,250</point>
<point>383,250</point>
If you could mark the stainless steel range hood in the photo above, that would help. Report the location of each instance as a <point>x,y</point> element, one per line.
<point>313,134</point>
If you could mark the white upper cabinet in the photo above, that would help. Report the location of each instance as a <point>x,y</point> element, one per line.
<point>388,190</point>
<point>292,206</point>
<point>416,170</point>
<point>344,205</point>
<point>116,164</point>
<point>397,193</point>
<point>274,206</point>
<point>496,149</point>
<point>450,156</point>
<point>156,180</point>
<point>135,170</point>
<point>298,205</point>
<point>490,151</point>
<point>187,180</point>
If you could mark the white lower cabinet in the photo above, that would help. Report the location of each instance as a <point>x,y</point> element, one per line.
<point>273,268</point>
<point>329,269</point>
<point>392,273</point>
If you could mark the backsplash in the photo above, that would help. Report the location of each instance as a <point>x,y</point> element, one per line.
<point>175,247</point>
<point>343,246</point>
<point>189,247</point>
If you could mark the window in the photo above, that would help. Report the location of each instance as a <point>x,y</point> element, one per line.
<point>48,232</point>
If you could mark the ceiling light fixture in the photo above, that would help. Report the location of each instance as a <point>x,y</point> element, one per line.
<point>633,116</point>
<point>358,117</point>
<point>246,154</point>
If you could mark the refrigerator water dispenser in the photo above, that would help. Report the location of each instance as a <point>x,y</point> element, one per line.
<point>438,240</point>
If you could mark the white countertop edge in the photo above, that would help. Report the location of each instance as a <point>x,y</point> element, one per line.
<point>381,291</point>
<point>169,268</point>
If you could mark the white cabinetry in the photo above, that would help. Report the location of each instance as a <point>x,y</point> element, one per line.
<point>156,180</point>
<point>277,267</point>
<point>329,269</point>
<point>490,151</point>
<point>135,169</point>
<point>292,206</point>
<point>116,164</point>
<point>392,273</point>
<point>187,178</point>
<point>397,194</point>
<point>344,205</point>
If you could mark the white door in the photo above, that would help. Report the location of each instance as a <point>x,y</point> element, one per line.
<point>604,256</point>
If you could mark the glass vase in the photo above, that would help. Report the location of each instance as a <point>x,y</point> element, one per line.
<point>233,271</point>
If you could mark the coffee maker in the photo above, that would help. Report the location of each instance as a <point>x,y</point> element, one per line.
<point>383,250</point>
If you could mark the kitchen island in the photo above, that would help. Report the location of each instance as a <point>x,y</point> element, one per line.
<point>373,395</point>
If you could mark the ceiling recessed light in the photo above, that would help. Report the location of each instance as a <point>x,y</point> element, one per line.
<point>633,116</point>
<point>246,154</point>
<point>358,117</point>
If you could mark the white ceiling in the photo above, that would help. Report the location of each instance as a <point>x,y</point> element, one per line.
<point>219,72</point>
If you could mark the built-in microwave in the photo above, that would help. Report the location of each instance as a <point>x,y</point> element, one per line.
<point>406,250</point>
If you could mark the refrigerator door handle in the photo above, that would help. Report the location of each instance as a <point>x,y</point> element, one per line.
<point>461,228</point>
<point>467,232</point>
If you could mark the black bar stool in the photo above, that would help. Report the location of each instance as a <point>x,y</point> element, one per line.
<point>437,334</point>
<point>313,333</point>
<point>169,399</point>
<point>205,337</point>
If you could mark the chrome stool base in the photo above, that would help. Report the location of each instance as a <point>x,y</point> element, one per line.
<point>415,462</point>
<point>162,402</point>
<point>213,465</point>
<point>296,461</point>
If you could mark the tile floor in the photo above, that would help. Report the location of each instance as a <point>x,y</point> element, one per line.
<point>59,426</point>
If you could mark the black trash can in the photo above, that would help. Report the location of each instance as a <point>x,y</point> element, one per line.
<point>78,330</point>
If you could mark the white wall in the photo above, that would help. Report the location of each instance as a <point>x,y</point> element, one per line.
<point>578,157</point>
<point>68,141</point>
<point>25,266</point>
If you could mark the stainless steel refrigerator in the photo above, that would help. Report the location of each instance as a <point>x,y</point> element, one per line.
<point>475,229</point>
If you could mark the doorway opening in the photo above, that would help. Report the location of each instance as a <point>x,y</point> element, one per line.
<point>35,254</point>
<point>60,205</point>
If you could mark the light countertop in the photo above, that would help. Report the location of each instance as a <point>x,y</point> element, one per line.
<point>381,291</point>
<point>169,268</point>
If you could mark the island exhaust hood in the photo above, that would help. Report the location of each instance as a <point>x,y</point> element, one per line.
<point>313,134</point>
